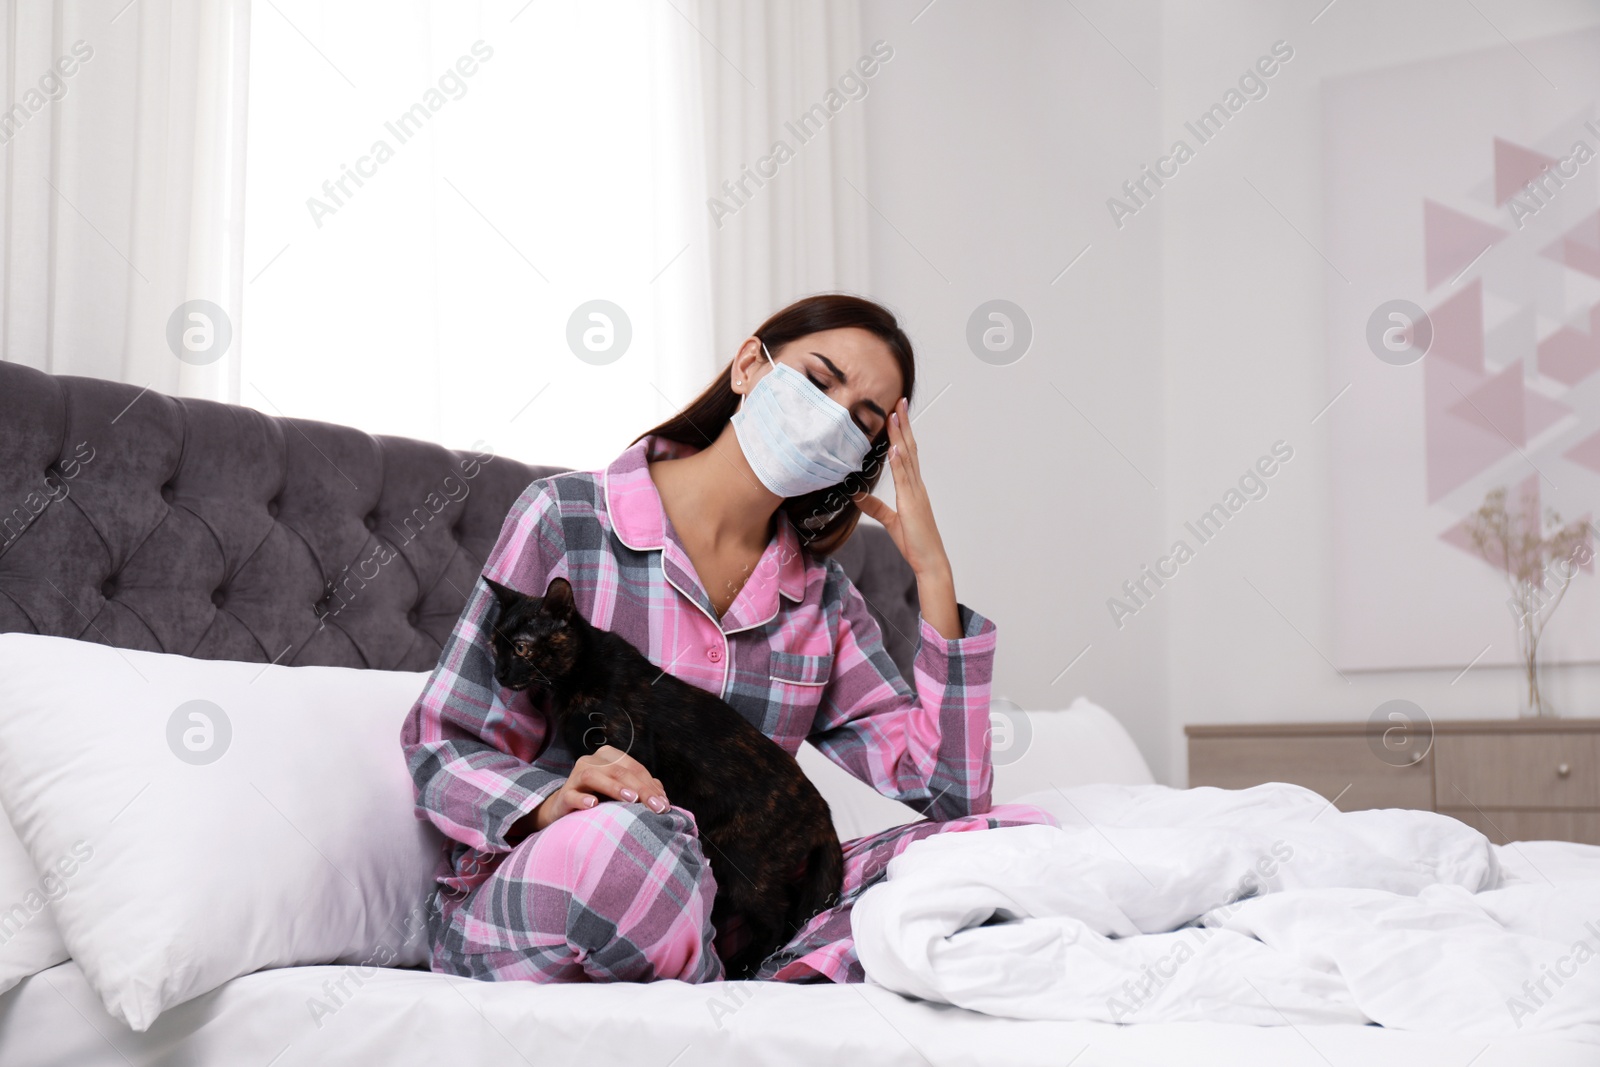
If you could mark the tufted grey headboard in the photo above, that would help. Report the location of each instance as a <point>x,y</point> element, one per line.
<point>142,521</point>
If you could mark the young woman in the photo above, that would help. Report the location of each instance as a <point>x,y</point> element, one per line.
<point>706,545</point>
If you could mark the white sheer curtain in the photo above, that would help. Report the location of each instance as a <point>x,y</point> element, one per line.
<point>577,162</point>
<point>511,163</point>
<point>121,151</point>
<point>783,89</point>
<point>432,190</point>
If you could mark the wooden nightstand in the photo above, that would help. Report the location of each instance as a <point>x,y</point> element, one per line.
<point>1515,780</point>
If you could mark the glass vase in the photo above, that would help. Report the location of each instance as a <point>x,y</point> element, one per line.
<point>1534,702</point>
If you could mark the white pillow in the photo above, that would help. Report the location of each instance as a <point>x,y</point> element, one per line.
<point>29,940</point>
<point>1082,745</point>
<point>1032,750</point>
<point>240,815</point>
<point>857,809</point>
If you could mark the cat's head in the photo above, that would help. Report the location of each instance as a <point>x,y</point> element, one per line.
<point>537,639</point>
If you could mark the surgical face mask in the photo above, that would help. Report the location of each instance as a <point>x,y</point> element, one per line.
<point>796,439</point>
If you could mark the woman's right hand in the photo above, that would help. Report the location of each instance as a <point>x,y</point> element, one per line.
<point>607,774</point>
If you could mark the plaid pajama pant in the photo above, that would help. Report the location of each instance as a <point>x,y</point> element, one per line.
<point>620,893</point>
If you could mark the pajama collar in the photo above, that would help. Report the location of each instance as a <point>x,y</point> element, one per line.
<point>640,522</point>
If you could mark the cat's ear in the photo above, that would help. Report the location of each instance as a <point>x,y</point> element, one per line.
<point>505,594</point>
<point>558,600</point>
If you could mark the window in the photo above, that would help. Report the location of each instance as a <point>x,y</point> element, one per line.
<point>432,189</point>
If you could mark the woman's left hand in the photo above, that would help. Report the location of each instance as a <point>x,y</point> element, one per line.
<point>910,525</point>
<point>910,522</point>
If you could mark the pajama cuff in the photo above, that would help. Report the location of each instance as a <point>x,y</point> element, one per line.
<point>978,635</point>
<point>537,785</point>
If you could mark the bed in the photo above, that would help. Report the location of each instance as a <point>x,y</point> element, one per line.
<point>181,527</point>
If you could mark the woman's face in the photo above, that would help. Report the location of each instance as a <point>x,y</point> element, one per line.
<point>852,366</point>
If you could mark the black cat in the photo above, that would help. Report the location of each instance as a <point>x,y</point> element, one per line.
<point>767,831</point>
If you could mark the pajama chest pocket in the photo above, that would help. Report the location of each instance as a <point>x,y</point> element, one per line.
<point>793,669</point>
<point>794,693</point>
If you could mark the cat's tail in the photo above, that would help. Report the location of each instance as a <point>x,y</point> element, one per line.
<point>822,883</point>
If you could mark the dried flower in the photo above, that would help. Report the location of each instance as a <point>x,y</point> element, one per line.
<point>1538,568</point>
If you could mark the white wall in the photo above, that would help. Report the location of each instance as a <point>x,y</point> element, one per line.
<point>1244,360</point>
<point>993,137</point>
<point>1193,338</point>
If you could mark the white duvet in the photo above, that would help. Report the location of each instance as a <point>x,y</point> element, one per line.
<point>1262,906</point>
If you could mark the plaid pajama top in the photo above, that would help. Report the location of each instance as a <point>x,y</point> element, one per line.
<point>796,653</point>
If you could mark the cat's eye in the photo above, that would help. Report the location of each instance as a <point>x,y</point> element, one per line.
<point>524,649</point>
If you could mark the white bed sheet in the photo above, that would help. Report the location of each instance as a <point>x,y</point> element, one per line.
<point>398,1017</point>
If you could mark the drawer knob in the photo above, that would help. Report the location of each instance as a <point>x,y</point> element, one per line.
<point>1563,769</point>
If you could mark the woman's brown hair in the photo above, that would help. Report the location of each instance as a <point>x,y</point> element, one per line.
<point>824,518</point>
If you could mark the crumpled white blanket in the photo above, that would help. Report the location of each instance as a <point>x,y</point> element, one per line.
<point>1263,906</point>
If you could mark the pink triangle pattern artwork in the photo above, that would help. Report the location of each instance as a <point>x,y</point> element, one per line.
<point>1452,240</point>
<point>1514,167</point>
<point>1462,442</point>
<point>1503,406</point>
<point>1458,448</point>
<point>1451,198</point>
<point>1586,453</point>
<point>1570,355</point>
<point>1579,247</point>
<point>1477,414</point>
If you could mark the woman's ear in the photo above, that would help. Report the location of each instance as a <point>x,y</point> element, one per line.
<point>747,364</point>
